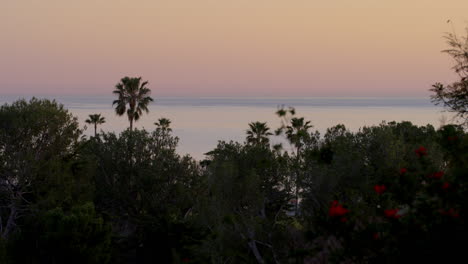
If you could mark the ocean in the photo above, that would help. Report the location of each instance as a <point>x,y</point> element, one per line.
<point>201,122</point>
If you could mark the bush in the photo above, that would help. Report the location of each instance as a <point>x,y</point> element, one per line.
<point>416,213</point>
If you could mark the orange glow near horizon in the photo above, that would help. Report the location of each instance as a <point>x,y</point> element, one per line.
<point>228,48</point>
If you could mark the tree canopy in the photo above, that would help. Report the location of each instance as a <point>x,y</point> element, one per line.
<point>454,96</point>
<point>133,98</point>
<point>95,119</point>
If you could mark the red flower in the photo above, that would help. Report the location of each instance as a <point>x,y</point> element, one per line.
<point>452,138</point>
<point>375,236</point>
<point>379,189</point>
<point>403,170</point>
<point>443,212</point>
<point>392,213</point>
<point>437,175</point>
<point>421,151</point>
<point>453,213</point>
<point>445,185</point>
<point>450,212</point>
<point>337,209</point>
<point>344,219</point>
<point>185,260</point>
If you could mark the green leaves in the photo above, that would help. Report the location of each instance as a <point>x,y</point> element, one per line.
<point>77,235</point>
<point>37,140</point>
<point>411,213</point>
<point>148,191</point>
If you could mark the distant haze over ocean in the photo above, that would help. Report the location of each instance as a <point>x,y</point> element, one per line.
<point>79,101</point>
<point>201,122</point>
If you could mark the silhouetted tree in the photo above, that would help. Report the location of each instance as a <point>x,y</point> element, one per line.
<point>36,141</point>
<point>258,133</point>
<point>296,130</point>
<point>245,210</point>
<point>148,190</point>
<point>455,96</point>
<point>95,119</point>
<point>164,123</point>
<point>133,98</point>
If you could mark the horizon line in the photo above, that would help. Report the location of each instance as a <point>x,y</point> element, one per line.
<point>222,97</point>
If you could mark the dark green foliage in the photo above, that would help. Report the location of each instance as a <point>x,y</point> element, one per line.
<point>37,140</point>
<point>58,236</point>
<point>40,175</point>
<point>147,191</point>
<point>246,204</point>
<point>349,162</point>
<point>429,195</point>
<point>130,198</point>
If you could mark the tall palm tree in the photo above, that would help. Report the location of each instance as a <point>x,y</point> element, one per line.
<point>95,119</point>
<point>298,132</point>
<point>133,98</point>
<point>258,133</point>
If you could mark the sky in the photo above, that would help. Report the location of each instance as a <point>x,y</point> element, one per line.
<point>220,48</point>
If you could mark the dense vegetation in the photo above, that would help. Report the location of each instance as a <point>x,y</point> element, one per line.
<point>391,193</point>
<point>384,193</point>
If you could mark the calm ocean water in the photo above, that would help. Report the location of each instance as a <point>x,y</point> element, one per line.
<point>201,122</point>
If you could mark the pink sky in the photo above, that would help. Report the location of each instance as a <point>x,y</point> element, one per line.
<point>227,48</point>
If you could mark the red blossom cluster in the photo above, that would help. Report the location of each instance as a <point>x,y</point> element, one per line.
<point>421,151</point>
<point>436,175</point>
<point>450,212</point>
<point>445,186</point>
<point>379,189</point>
<point>376,236</point>
<point>337,210</point>
<point>392,213</point>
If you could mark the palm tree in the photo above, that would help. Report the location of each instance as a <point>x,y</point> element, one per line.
<point>135,94</point>
<point>258,134</point>
<point>298,132</point>
<point>164,124</point>
<point>95,119</point>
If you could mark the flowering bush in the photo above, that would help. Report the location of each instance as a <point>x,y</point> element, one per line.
<point>419,214</point>
<point>392,213</point>
<point>338,211</point>
<point>379,189</point>
<point>421,151</point>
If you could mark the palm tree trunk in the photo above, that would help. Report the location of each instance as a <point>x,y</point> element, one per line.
<point>95,129</point>
<point>131,124</point>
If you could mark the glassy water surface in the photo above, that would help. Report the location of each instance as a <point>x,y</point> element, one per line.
<point>201,122</point>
